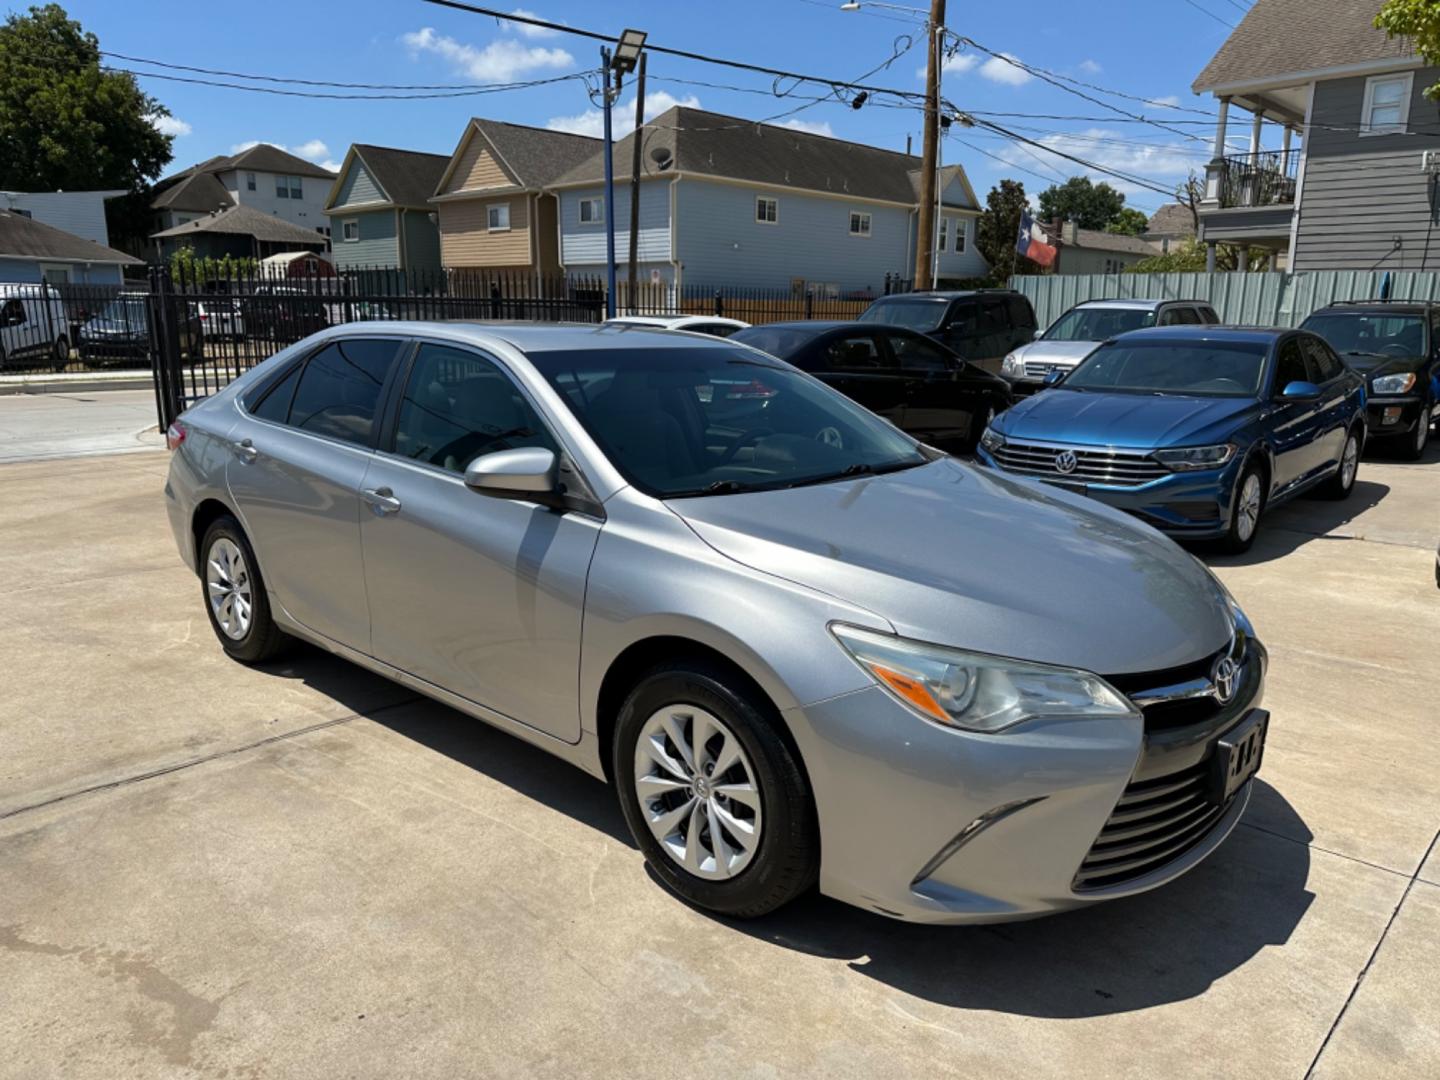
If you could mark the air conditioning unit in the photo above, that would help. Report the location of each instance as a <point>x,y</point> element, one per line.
<point>1430,161</point>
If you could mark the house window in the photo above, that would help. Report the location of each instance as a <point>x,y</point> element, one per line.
<point>282,187</point>
<point>1387,103</point>
<point>249,181</point>
<point>295,192</point>
<point>497,216</point>
<point>944,240</point>
<point>592,211</point>
<point>55,273</point>
<point>962,235</point>
<point>767,210</point>
<point>859,224</point>
<point>350,230</point>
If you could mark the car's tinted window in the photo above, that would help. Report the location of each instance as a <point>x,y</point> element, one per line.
<point>994,316</point>
<point>274,403</point>
<point>779,341</point>
<point>854,352</point>
<point>1290,365</point>
<point>964,319</point>
<point>12,314</point>
<point>458,405</point>
<point>1098,323</point>
<point>340,388</point>
<point>923,313</point>
<point>1369,333</point>
<point>1324,363</point>
<point>1022,315</point>
<point>713,329</point>
<point>913,351</point>
<point>1208,316</point>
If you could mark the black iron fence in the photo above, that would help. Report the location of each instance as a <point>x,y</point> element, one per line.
<point>52,328</point>
<point>1263,179</point>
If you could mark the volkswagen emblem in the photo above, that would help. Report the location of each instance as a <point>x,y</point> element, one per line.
<point>1066,462</point>
<point>1225,677</point>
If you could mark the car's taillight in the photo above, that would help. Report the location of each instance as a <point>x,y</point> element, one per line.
<point>174,435</point>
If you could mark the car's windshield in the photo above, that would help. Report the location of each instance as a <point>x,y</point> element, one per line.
<point>1370,333</point>
<point>1201,368</point>
<point>126,309</point>
<point>716,421</point>
<point>914,313</point>
<point>1097,323</point>
<point>781,341</point>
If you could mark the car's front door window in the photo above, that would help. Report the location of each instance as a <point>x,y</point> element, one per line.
<point>914,352</point>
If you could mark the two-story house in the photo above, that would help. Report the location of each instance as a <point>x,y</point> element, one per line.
<point>728,201</point>
<point>1353,183</point>
<point>263,178</point>
<point>380,212</point>
<point>491,204</point>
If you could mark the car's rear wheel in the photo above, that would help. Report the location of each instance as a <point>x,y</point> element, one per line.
<point>1342,483</point>
<point>713,795</point>
<point>235,597</point>
<point>1245,514</point>
<point>61,353</point>
<point>1420,437</point>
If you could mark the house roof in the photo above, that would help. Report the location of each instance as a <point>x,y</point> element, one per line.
<point>712,144</point>
<point>1172,219</point>
<point>266,158</point>
<point>247,221</point>
<point>1285,37</point>
<point>1106,241</point>
<point>262,157</point>
<point>406,177</point>
<point>27,238</point>
<point>535,157</point>
<point>198,191</point>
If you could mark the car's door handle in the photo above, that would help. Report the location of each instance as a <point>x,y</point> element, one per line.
<point>245,451</point>
<point>381,500</point>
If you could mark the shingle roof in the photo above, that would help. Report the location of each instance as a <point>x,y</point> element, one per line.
<point>408,177</point>
<point>23,236</point>
<point>199,191</point>
<point>536,156</point>
<point>1282,37</point>
<point>1104,241</point>
<point>262,157</point>
<point>247,221</point>
<point>1172,219</point>
<point>711,144</point>
<point>267,158</point>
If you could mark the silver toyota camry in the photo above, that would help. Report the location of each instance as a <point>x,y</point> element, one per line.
<point>803,647</point>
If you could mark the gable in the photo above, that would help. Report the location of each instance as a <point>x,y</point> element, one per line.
<point>475,167</point>
<point>357,187</point>
<point>958,193</point>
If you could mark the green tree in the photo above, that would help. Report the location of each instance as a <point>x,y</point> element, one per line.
<point>1000,227</point>
<point>65,124</point>
<point>1128,222</point>
<point>1189,258</point>
<point>1088,205</point>
<point>1418,20</point>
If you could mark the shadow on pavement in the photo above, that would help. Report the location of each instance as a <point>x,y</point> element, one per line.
<point>1300,521</point>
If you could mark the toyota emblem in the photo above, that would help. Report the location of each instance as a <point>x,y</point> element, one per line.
<point>1066,462</point>
<point>1225,676</point>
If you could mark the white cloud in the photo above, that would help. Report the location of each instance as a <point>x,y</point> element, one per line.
<point>169,125</point>
<point>314,150</point>
<point>814,127</point>
<point>622,120</point>
<point>500,61</point>
<point>997,70</point>
<point>1165,164</point>
<point>525,29</point>
<point>1090,67</point>
<point>331,164</point>
<point>310,151</point>
<point>1169,101</point>
<point>954,65</point>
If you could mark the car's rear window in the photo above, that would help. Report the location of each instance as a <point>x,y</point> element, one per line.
<point>922,313</point>
<point>779,341</point>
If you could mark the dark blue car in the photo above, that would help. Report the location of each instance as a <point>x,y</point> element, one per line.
<point>1196,430</point>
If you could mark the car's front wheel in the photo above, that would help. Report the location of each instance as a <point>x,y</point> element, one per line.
<point>1245,514</point>
<point>1342,483</point>
<point>1420,437</point>
<point>235,597</point>
<point>60,355</point>
<point>712,793</point>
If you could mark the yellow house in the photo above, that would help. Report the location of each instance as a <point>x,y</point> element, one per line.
<point>491,207</point>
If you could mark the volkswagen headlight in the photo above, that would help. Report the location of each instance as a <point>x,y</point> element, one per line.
<point>991,439</point>
<point>1013,366</point>
<point>975,691</point>
<point>1393,384</point>
<point>1189,458</point>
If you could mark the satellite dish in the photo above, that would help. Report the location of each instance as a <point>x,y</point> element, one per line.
<point>661,156</point>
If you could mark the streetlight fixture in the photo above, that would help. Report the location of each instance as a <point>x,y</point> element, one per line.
<point>627,52</point>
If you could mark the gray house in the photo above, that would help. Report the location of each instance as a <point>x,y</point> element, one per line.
<point>1359,191</point>
<point>380,212</point>
<point>727,201</point>
<point>33,251</point>
<point>263,178</point>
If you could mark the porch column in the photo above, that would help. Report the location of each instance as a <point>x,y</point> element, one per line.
<point>1215,169</point>
<point>1242,260</point>
<point>1210,257</point>
<point>1220,128</point>
<point>1255,132</point>
<point>1285,142</point>
<point>1274,261</point>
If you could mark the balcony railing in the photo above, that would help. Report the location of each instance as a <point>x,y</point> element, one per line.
<point>1263,179</point>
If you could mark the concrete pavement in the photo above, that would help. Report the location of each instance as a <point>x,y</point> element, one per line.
<point>307,871</point>
<point>70,423</point>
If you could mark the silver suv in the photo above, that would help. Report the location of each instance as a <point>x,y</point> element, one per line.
<point>1074,335</point>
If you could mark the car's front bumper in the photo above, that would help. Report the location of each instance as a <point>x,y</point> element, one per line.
<point>114,348</point>
<point>930,824</point>
<point>1393,415</point>
<point>1185,505</point>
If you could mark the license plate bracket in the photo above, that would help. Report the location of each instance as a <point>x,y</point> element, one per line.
<point>1237,756</point>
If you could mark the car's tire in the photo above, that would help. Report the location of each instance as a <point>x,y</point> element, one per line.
<point>234,594</point>
<point>1248,508</point>
<point>749,873</point>
<point>60,354</point>
<point>1340,485</point>
<point>1419,439</point>
<point>978,423</point>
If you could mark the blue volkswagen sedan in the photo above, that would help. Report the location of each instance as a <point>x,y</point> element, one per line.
<point>1196,430</point>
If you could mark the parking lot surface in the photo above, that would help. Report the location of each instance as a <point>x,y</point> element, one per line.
<point>308,871</point>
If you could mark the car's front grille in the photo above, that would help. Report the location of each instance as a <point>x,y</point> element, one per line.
<point>1155,822</point>
<point>1119,468</point>
<point>1038,370</point>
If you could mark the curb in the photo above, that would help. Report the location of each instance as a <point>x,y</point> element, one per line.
<point>78,383</point>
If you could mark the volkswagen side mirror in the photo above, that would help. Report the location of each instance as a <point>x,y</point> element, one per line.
<point>1053,376</point>
<point>1300,390</point>
<point>528,473</point>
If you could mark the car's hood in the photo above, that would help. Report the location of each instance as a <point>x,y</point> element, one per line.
<point>1059,353</point>
<point>106,327</point>
<point>1373,366</point>
<point>962,556</point>
<point>1139,421</point>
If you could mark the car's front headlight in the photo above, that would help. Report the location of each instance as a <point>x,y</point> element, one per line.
<point>1012,365</point>
<point>1196,457</point>
<point>1393,384</point>
<point>991,439</point>
<point>975,691</point>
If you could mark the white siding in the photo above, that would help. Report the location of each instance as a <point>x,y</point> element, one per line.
<point>79,212</point>
<point>307,211</point>
<point>584,245</point>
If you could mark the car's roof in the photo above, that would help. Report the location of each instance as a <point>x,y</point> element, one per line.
<point>1133,305</point>
<point>1377,307</point>
<point>542,337</point>
<point>1256,335</point>
<point>947,294</point>
<point>817,326</point>
<point>673,320</point>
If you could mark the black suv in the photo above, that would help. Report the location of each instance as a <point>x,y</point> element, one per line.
<point>982,325</point>
<point>1396,346</point>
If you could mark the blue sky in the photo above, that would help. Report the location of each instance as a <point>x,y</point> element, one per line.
<point>1149,49</point>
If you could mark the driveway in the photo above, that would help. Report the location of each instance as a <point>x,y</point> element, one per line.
<point>69,423</point>
<point>307,871</point>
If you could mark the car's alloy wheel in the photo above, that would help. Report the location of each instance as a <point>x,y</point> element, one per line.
<point>1247,508</point>
<point>1343,482</point>
<point>235,597</point>
<point>227,580</point>
<point>697,791</point>
<point>1416,448</point>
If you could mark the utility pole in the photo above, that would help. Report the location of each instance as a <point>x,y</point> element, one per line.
<point>925,246</point>
<point>609,191</point>
<point>635,182</point>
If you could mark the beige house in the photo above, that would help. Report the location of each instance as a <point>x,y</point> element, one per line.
<point>491,207</point>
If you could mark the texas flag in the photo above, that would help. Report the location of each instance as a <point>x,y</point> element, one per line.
<point>1033,242</point>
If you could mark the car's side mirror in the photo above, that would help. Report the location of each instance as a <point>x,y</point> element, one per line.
<point>528,473</point>
<point>1053,376</point>
<point>1300,390</point>
<point>14,318</point>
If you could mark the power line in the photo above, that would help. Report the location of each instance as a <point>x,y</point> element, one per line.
<point>489,89</point>
<point>1130,178</point>
<point>296,82</point>
<point>1207,11</point>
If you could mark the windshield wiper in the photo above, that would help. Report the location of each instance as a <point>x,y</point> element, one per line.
<point>1358,352</point>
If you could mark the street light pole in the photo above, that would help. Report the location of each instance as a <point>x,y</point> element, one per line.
<point>609,191</point>
<point>925,248</point>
